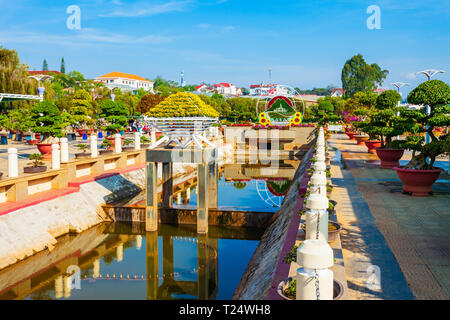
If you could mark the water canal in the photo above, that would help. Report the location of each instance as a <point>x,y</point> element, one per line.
<point>122,261</point>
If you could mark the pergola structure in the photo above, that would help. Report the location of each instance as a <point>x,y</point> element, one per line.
<point>14,96</point>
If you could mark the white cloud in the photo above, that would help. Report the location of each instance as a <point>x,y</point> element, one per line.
<point>411,76</point>
<point>84,37</point>
<point>144,9</point>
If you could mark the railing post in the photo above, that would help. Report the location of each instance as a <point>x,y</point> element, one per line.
<point>137,141</point>
<point>118,143</point>
<point>13,165</point>
<point>94,146</point>
<point>64,150</point>
<point>56,164</point>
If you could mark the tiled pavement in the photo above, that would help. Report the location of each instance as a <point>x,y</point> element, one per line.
<point>407,237</point>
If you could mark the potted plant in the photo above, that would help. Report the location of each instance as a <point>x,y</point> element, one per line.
<point>145,142</point>
<point>46,121</point>
<point>106,147</point>
<point>386,124</point>
<point>83,147</point>
<point>36,165</point>
<point>419,175</point>
<point>115,114</point>
<point>287,289</point>
<point>127,145</point>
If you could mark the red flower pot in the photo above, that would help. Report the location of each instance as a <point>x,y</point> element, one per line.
<point>372,144</point>
<point>418,182</point>
<point>360,139</point>
<point>389,157</point>
<point>113,140</point>
<point>352,135</point>
<point>45,149</point>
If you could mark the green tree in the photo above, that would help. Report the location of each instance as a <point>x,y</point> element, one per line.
<point>63,66</point>
<point>46,120</point>
<point>436,94</point>
<point>45,65</point>
<point>115,114</point>
<point>81,107</point>
<point>357,75</point>
<point>148,102</point>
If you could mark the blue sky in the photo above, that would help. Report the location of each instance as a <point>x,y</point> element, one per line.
<point>305,43</point>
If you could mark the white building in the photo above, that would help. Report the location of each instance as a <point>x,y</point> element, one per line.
<point>223,88</point>
<point>337,92</point>
<point>125,81</point>
<point>269,90</point>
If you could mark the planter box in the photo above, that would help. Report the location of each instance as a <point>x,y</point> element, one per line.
<point>418,182</point>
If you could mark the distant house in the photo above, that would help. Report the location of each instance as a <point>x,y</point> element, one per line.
<point>337,92</point>
<point>268,90</point>
<point>43,72</point>
<point>125,81</point>
<point>223,88</point>
<point>379,90</point>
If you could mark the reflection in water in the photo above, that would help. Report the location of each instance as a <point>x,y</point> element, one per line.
<point>108,262</point>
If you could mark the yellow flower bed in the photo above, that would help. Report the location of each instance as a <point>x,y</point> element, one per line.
<point>264,119</point>
<point>182,104</point>
<point>297,119</point>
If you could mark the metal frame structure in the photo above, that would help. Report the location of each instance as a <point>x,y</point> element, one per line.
<point>178,129</point>
<point>14,96</point>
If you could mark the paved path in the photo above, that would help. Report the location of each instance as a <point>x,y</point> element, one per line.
<point>407,237</point>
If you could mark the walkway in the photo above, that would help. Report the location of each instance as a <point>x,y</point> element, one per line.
<point>406,237</point>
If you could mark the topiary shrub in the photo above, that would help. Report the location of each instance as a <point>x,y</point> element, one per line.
<point>436,94</point>
<point>115,114</point>
<point>46,120</point>
<point>183,104</point>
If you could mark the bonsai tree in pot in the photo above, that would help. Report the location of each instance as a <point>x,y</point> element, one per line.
<point>83,147</point>
<point>115,114</point>
<point>47,121</point>
<point>36,165</point>
<point>106,147</point>
<point>419,174</point>
<point>386,124</point>
<point>127,144</point>
<point>145,142</point>
<point>81,106</point>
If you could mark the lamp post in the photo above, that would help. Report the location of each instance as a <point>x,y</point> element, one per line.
<point>429,73</point>
<point>40,78</point>
<point>399,85</point>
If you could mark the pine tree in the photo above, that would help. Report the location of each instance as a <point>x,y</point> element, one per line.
<point>63,66</point>
<point>45,65</point>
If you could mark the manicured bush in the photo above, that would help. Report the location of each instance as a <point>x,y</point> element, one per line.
<point>115,114</point>
<point>436,94</point>
<point>46,120</point>
<point>183,104</point>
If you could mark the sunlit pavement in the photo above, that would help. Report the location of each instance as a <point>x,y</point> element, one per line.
<point>388,229</point>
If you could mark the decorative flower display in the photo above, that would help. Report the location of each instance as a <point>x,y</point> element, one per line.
<point>183,104</point>
<point>264,119</point>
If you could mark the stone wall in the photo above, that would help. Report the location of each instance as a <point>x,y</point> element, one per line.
<point>257,279</point>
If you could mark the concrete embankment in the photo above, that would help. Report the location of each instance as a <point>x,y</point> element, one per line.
<point>29,230</point>
<point>257,279</point>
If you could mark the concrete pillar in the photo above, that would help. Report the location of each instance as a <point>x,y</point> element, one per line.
<point>137,141</point>
<point>118,143</point>
<point>13,164</point>
<point>67,286</point>
<point>138,242</point>
<point>152,136</point>
<point>167,256</point>
<point>119,252</point>
<point>188,194</point>
<point>179,198</point>
<point>213,173</point>
<point>96,269</point>
<point>59,287</point>
<point>167,181</point>
<point>151,215</point>
<point>203,267</point>
<point>64,150</point>
<point>94,146</point>
<point>152,265</point>
<point>318,183</point>
<point>319,166</point>
<point>314,279</point>
<point>317,206</point>
<point>56,164</point>
<point>202,199</point>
